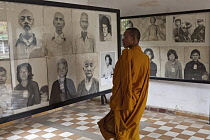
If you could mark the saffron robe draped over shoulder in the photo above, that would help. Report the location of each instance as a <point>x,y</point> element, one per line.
<point>129,96</point>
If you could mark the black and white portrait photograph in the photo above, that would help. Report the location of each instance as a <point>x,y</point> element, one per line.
<point>105,27</point>
<point>28,79</point>
<point>26,30</point>
<point>5,89</point>
<point>84,31</point>
<point>189,27</point>
<point>87,74</point>
<point>107,67</point>
<point>57,31</point>
<point>196,63</point>
<point>4,47</point>
<point>172,60</point>
<point>153,28</point>
<point>154,55</point>
<point>62,78</point>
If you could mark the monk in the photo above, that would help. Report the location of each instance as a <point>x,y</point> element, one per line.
<point>129,93</point>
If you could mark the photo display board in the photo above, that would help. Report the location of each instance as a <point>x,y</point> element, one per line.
<point>52,53</point>
<point>177,44</point>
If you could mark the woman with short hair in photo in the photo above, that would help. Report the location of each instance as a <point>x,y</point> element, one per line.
<point>194,70</point>
<point>153,66</point>
<point>105,29</point>
<point>173,68</point>
<point>29,87</point>
<point>62,89</point>
<point>108,68</point>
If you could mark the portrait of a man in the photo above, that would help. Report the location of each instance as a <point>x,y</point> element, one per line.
<point>27,44</point>
<point>26,21</point>
<point>84,42</point>
<point>57,42</point>
<point>58,23</point>
<point>90,84</point>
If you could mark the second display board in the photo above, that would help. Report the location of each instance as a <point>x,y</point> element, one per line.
<point>177,44</point>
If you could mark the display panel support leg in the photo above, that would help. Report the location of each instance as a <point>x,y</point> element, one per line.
<point>103,97</point>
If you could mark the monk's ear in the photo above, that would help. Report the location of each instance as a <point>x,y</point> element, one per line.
<point>135,40</point>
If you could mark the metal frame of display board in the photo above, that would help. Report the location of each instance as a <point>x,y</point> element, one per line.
<point>82,98</point>
<point>170,14</point>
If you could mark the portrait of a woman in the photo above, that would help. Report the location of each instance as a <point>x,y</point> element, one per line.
<point>173,68</point>
<point>108,68</point>
<point>105,25</point>
<point>153,67</point>
<point>194,70</point>
<point>29,87</point>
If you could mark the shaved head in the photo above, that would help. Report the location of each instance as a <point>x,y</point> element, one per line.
<point>134,32</point>
<point>26,19</point>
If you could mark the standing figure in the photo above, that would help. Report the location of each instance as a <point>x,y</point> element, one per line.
<point>199,32</point>
<point>153,66</point>
<point>129,92</point>
<point>178,31</point>
<point>63,88</point>
<point>106,29</point>
<point>153,32</point>
<point>85,42</point>
<point>173,68</point>
<point>194,70</point>
<point>29,87</point>
<point>90,84</point>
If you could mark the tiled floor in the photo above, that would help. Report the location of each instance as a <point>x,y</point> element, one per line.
<point>78,122</point>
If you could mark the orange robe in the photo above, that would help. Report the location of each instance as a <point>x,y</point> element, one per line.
<point>129,96</point>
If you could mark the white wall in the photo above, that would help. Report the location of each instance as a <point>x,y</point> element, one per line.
<point>192,97</point>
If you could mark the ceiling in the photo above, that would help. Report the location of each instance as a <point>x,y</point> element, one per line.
<point>145,7</point>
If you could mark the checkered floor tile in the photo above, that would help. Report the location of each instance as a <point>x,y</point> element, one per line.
<point>79,122</point>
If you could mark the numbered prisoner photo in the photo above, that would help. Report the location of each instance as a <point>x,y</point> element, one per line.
<point>173,67</point>
<point>189,28</point>
<point>197,63</point>
<point>153,28</point>
<point>87,74</point>
<point>58,31</point>
<point>105,27</point>
<point>5,89</point>
<point>107,67</point>
<point>172,59</point>
<point>62,78</point>
<point>30,84</point>
<point>27,30</point>
<point>84,31</point>
<point>154,56</point>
